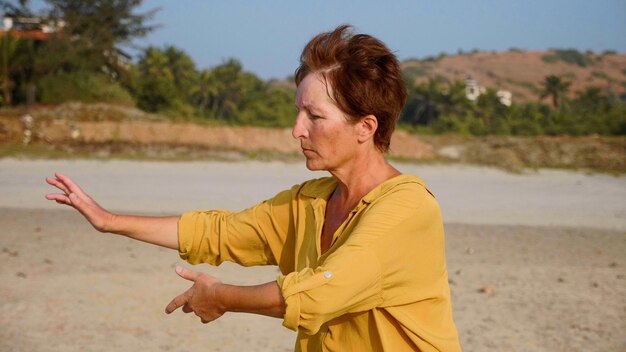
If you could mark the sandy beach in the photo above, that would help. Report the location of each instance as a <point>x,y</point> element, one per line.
<point>537,261</point>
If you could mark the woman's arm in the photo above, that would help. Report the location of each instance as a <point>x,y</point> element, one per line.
<point>162,231</point>
<point>209,298</point>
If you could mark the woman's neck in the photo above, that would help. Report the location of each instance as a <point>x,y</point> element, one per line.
<point>360,176</point>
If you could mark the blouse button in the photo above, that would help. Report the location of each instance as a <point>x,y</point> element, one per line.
<point>328,274</point>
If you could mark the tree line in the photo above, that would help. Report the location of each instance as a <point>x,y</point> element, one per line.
<point>82,61</point>
<point>435,107</point>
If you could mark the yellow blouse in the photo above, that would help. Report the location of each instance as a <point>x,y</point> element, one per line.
<point>382,285</point>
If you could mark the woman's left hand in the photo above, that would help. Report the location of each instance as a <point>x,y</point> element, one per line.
<point>201,298</point>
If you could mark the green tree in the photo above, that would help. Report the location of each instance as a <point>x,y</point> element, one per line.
<point>454,100</point>
<point>554,87</point>
<point>428,101</point>
<point>591,99</point>
<point>164,79</point>
<point>95,28</point>
<point>422,102</point>
<point>528,119</point>
<point>228,93</point>
<point>204,91</point>
<point>227,87</point>
<point>270,106</point>
<point>85,49</point>
<point>493,113</point>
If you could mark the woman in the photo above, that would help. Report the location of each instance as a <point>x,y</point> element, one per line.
<point>361,252</point>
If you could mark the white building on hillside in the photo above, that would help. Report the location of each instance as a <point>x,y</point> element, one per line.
<point>473,91</point>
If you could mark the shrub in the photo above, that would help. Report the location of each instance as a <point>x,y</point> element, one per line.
<point>600,75</point>
<point>411,72</point>
<point>571,56</point>
<point>451,124</point>
<point>268,107</point>
<point>82,86</point>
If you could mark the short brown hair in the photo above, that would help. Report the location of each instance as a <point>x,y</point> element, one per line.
<point>364,74</point>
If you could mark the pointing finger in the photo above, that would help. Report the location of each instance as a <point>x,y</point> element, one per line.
<point>177,302</point>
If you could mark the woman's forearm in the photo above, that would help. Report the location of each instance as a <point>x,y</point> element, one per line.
<point>265,299</point>
<point>209,298</point>
<point>161,231</point>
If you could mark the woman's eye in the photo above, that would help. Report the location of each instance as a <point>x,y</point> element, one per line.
<point>314,117</point>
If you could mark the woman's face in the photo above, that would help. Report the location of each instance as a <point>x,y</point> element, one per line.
<point>327,139</point>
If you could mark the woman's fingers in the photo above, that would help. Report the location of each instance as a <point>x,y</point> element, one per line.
<point>58,197</point>
<point>187,309</point>
<point>68,197</point>
<point>56,183</point>
<point>73,196</point>
<point>177,302</point>
<point>66,185</point>
<point>71,186</point>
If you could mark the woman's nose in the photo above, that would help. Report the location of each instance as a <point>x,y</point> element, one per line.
<point>298,130</point>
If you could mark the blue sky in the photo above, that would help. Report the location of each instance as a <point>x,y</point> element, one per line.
<point>267,36</point>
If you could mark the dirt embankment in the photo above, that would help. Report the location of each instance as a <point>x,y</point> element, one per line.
<point>100,130</point>
<point>83,125</point>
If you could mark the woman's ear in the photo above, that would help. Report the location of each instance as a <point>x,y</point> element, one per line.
<point>367,128</point>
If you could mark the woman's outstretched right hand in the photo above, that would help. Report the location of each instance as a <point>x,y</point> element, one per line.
<point>75,197</point>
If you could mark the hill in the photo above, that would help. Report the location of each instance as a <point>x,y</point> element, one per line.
<point>521,72</point>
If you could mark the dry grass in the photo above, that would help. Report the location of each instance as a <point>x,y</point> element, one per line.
<point>123,132</point>
<point>516,154</point>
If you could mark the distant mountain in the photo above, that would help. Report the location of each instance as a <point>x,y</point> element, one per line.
<point>522,72</point>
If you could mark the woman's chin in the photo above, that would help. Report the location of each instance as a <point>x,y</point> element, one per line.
<point>313,166</point>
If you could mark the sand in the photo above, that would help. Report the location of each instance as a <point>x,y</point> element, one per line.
<point>536,261</point>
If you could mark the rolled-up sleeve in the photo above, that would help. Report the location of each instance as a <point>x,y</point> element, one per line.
<point>382,260</point>
<point>315,296</point>
<point>254,236</point>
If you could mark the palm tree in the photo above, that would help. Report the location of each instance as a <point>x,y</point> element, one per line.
<point>422,103</point>
<point>454,100</point>
<point>204,91</point>
<point>554,87</point>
